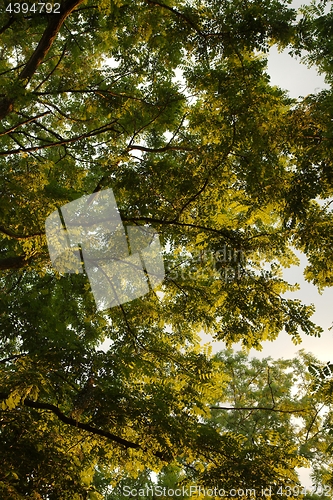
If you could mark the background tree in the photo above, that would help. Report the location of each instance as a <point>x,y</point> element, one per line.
<point>269,423</point>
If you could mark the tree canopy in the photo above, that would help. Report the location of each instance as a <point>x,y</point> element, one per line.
<point>169,105</point>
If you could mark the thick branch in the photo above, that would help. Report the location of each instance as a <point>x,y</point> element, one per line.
<point>7,25</point>
<point>49,35</point>
<point>6,107</point>
<point>16,236</point>
<point>80,425</point>
<point>13,263</point>
<point>42,49</point>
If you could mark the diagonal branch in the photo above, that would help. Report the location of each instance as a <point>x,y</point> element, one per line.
<point>178,14</point>
<point>42,49</point>
<point>7,25</point>
<point>228,151</point>
<point>312,422</point>
<point>62,55</point>
<point>99,130</point>
<point>13,357</point>
<point>193,198</point>
<point>81,425</point>
<point>48,38</point>
<point>28,120</point>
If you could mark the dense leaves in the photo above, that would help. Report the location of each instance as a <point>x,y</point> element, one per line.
<point>169,104</point>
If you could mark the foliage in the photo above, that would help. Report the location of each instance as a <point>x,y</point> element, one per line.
<point>169,104</point>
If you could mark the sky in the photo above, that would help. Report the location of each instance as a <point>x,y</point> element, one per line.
<point>290,74</point>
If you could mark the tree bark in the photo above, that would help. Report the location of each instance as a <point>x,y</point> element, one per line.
<point>17,262</point>
<point>48,38</point>
<point>42,49</point>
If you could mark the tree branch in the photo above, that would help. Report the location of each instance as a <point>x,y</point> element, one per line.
<point>7,25</point>
<point>29,120</point>
<point>250,408</point>
<point>100,130</point>
<point>49,35</point>
<point>159,150</point>
<point>10,290</point>
<point>13,262</point>
<point>179,14</point>
<point>193,198</point>
<point>15,236</point>
<point>80,425</point>
<point>312,422</point>
<point>229,234</point>
<point>62,55</point>
<point>42,49</point>
<point>15,356</point>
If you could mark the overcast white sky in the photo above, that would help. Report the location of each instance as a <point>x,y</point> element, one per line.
<point>289,74</point>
